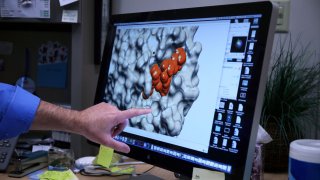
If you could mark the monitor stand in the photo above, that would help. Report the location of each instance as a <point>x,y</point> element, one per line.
<point>145,177</point>
<point>148,176</point>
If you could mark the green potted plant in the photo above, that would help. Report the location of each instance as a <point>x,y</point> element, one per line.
<point>290,97</point>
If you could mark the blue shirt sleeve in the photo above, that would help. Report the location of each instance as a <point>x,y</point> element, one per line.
<point>17,110</point>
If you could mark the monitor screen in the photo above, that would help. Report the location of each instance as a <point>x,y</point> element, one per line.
<point>202,71</point>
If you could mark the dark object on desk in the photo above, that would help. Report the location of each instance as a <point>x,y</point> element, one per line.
<point>145,177</point>
<point>7,147</point>
<point>60,159</point>
<point>29,163</point>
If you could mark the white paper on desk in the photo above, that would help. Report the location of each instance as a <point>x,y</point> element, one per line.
<point>25,9</point>
<point>65,2</point>
<point>40,148</point>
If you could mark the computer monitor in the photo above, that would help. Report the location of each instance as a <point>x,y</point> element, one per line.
<point>203,72</point>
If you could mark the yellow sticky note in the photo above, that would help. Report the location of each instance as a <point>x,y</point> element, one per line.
<point>116,158</point>
<point>58,175</point>
<point>104,157</point>
<point>203,174</point>
<point>117,170</point>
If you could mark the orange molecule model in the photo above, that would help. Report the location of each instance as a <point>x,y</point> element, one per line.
<point>162,76</point>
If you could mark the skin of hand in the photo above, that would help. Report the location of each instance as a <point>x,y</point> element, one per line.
<point>108,122</point>
<point>99,123</point>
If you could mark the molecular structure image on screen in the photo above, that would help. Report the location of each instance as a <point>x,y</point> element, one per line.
<point>157,68</point>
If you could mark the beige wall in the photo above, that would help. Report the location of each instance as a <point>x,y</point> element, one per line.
<point>130,6</point>
<point>84,73</point>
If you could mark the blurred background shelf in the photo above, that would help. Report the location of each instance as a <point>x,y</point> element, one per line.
<point>56,12</point>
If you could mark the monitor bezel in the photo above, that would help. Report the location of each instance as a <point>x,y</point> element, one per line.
<point>268,20</point>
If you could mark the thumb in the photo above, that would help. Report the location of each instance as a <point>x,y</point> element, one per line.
<point>118,146</point>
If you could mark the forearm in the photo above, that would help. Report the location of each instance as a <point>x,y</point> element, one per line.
<point>53,117</point>
<point>99,123</point>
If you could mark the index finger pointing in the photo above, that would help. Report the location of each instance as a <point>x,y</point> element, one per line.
<point>127,114</point>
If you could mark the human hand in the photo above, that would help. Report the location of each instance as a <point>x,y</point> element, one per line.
<point>103,121</point>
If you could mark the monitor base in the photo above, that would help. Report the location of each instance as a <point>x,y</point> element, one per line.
<point>153,177</point>
<point>145,177</point>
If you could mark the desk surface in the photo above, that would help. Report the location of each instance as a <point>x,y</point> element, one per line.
<point>164,174</point>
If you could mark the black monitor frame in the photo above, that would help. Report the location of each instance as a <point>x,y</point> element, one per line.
<point>241,170</point>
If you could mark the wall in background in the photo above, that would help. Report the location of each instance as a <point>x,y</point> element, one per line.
<point>82,74</point>
<point>14,64</point>
<point>130,6</point>
<point>304,15</point>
